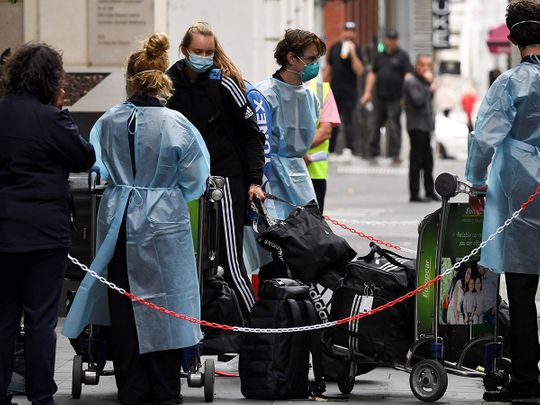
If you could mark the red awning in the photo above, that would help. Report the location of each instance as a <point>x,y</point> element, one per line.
<point>497,40</point>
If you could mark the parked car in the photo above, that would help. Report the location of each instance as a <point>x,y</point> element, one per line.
<point>451,137</point>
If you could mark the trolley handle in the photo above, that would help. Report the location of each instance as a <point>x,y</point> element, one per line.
<point>449,185</point>
<point>94,179</point>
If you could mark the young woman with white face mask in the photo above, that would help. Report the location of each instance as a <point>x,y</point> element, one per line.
<point>209,91</point>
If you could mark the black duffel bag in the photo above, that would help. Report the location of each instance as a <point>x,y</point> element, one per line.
<point>305,243</point>
<point>370,282</point>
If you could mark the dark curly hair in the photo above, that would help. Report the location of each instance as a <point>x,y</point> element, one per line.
<point>36,69</point>
<point>296,41</point>
<point>527,33</point>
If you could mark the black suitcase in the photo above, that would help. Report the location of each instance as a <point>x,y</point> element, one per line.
<point>83,234</point>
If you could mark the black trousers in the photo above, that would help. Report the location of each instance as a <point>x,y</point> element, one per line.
<point>140,378</point>
<point>30,283</point>
<point>233,208</point>
<point>420,160</point>
<point>524,344</point>
<point>386,111</point>
<point>345,107</point>
<point>320,191</point>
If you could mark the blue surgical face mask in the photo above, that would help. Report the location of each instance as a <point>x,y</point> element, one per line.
<point>310,71</point>
<point>199,63</point>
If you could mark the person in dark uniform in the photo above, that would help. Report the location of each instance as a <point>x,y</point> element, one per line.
<point>39,146</point>
<point>208,90</point>
<point>418,94</point>
<point>342,70</point>
<point>387,75</point>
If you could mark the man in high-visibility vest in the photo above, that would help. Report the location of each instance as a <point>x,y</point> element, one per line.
<point>317,157</point>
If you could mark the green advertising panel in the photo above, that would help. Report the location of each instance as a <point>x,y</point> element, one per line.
<point>463,234</point>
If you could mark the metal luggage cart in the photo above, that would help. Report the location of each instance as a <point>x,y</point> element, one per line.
<point>92,346</point>
<point>439,348</point>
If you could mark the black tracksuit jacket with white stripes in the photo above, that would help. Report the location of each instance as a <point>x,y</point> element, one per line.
<point>217,106</point>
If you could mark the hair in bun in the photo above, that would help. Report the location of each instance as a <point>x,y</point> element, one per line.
<point>146,68</point>
<point>156,45</point>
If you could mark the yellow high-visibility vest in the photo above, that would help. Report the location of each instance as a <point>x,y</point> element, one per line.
<point>319,170</point>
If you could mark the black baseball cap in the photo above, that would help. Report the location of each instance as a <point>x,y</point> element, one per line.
<point>392,34</point>
<point>349,26</point>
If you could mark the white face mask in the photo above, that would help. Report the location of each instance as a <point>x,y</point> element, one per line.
<point>199,63</point>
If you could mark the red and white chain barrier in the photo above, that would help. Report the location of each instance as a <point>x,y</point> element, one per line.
<point>368,237</point>
<point>321,325</point>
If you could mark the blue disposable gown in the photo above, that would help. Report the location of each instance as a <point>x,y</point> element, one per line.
<point>172,167</point>
<point>508,133</point>
<point>295,110</point>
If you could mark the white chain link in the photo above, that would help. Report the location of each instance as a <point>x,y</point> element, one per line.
<point>475,251</point>
<point>320,325</point>
<point>95,275</point>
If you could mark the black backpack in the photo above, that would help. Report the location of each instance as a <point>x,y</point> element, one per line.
<point>370,282</point>
<point>276,365</point>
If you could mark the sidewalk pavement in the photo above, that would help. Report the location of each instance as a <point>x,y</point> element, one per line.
<point>381,386</point>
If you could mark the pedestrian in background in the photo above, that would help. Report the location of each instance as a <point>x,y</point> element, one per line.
<point>155,162</point>
<point>317,156</point>
<point>295,110</point>
<point>208,90</point>
<point>468,102</point>
<point>344,66</point>
<point>386,77</point>
<point>418,95</point>
<point>507,139</point>
<point>39,146</point>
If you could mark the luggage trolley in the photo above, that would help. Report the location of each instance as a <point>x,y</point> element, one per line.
<point>445,236</point>
<point>91,346</point>
<point>442,345</point>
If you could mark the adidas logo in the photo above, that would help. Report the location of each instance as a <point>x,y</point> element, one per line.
<point>248,113</point>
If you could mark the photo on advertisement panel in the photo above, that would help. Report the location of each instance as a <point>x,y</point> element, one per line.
<point>469,297</point>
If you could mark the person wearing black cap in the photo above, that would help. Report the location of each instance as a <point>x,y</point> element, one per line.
<point>342,70</point>
<point>503,161</point>
<point>387,76</point>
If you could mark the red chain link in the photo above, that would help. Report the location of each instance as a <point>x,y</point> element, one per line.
<point>531,198</point>
<point>176,315</point>
<point>362,234</point>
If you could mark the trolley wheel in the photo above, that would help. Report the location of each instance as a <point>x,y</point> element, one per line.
<point>77,377</point>
<point>346,380</point>
<point>209,380</point>
<point>501,376</point>
<point>428,380</point>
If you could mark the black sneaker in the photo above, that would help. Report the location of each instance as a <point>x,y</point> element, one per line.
<point>509,394</point>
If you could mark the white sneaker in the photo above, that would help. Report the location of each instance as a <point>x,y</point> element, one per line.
<point>346,155</point>
<point>229,367</point>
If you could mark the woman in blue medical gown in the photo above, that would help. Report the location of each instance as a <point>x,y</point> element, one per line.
<point>154,161</point>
